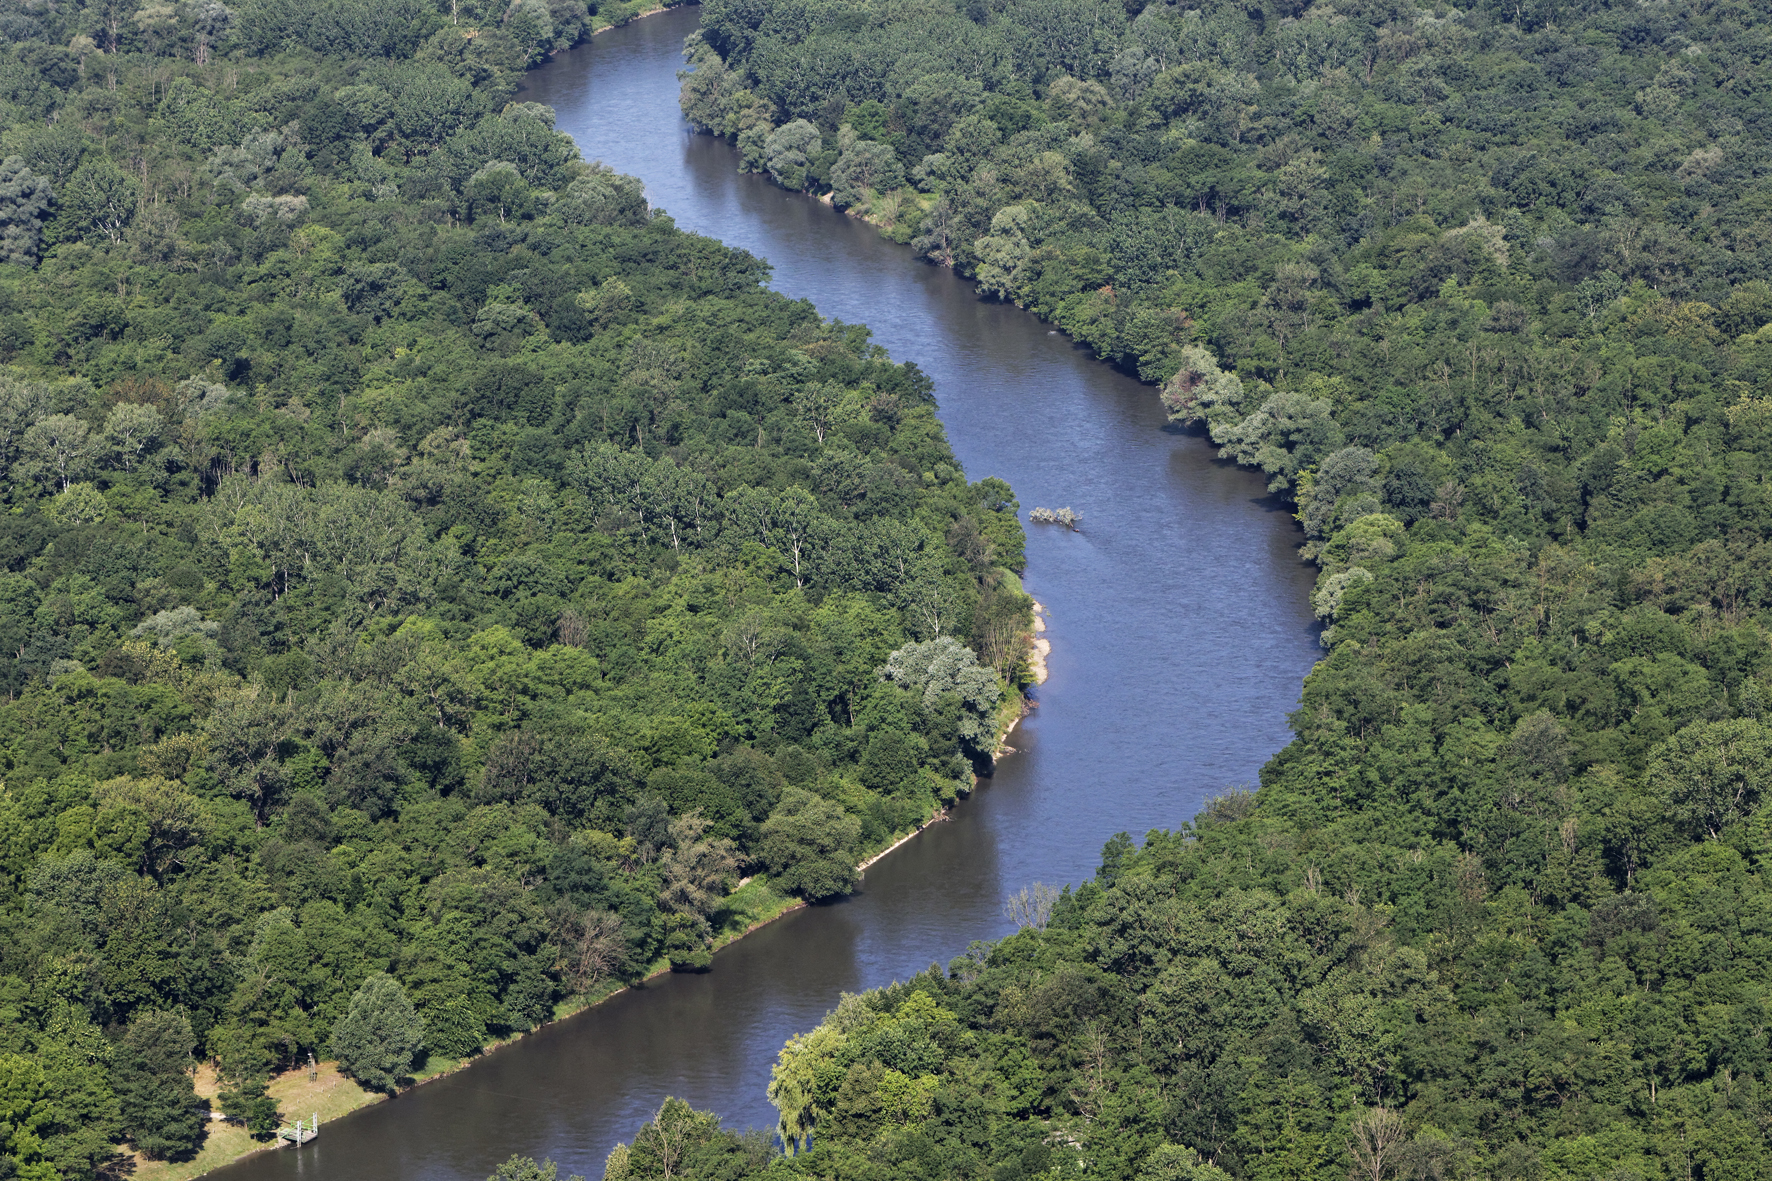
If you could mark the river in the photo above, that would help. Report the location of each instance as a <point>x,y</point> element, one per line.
<point>1180,626</point>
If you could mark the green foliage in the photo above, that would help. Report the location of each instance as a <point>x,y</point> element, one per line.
<point>936,668</point>
<point>25,199</point>
<point>1467,286</point>
<point>379,1036</point>
<point>862,169</point>
<point>1173,1162</point>
<point>420,564</point>
<point>789,152</point>
<point>98,202</point>
<point>809,846</point>
<point>523,1168</point>
<point>157,1100</point>
<point>25,1108</point>
<point>682,1142</point>
<point>1712,775</point>
<point>248,1103</point>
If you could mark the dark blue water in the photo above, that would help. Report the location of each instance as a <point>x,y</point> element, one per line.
<point>1181,631</point>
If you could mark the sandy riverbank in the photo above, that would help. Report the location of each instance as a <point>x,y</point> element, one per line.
<point>1042,647</point>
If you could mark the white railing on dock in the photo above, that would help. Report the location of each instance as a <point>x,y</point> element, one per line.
<point>298,1135</point>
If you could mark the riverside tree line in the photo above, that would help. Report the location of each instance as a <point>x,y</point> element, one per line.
<point>1483,290</point>
<point>429,580</point>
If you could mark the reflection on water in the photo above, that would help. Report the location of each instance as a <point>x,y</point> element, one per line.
<point>1180,628</point>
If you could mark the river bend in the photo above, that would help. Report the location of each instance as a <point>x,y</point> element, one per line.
<point>1180,625</point>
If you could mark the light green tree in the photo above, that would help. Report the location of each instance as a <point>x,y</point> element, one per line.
<point>610,301</point>
<point>1712,774</point>
<point>1202,392</point>
<point>1349,472</point>
<point>788,152</point>
<point>793,1082</point>
<point>665,1142</point>
<point>379,1035</point>
<point>1002,252</point>
<point>26,1107</point>
<point>796,521</point>
<point>244,734</point>
<point>943,665</point>
<point>695,872</point>
<point>22,404</point>
<point>525,1168</point>
<point>1176,1162</point>
<point>79,504</point>
<point>1290,432</point>
<point>864,169</point>
<point>131,430</point>
<point>56,451</point>
<point>498,188</point>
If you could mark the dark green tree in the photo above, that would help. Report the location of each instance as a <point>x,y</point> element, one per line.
<point>808,846</point>
<point>155,1092</point>
<point>97,202</point>
<point>25,200</point>
<point>248,1102</point>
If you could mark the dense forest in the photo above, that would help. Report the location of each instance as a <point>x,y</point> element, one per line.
<point>429,580</point>
<point>1485,292</point>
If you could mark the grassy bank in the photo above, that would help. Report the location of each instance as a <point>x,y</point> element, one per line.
<point>896,214</point>
<point>614,16</point>
<point>329,1095</point>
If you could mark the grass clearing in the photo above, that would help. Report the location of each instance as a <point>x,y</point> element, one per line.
<point>329,1095</point>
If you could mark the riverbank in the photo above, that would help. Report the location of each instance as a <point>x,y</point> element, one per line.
<point>896,214</point>
<point>330,1095</point>
<point>1041,648</point>
<point>617,15</point>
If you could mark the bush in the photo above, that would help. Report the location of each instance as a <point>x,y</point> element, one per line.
<point>249,1104</point>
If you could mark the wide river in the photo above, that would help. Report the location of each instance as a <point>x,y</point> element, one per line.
<point>1180,629</point>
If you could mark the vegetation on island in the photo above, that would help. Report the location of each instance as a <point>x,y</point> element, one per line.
<point>1484,291</point>
<point>429,580</point>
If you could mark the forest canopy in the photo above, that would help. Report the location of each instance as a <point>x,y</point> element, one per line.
<point>429,579</point>
<point>1484,291</point>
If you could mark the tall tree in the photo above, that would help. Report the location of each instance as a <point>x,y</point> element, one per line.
<point>154,1087</point>
<point>378,1038</point>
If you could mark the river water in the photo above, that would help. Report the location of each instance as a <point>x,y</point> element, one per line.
<point>1180,625</point>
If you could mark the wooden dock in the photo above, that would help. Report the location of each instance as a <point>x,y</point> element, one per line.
<point>299,1135</point>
